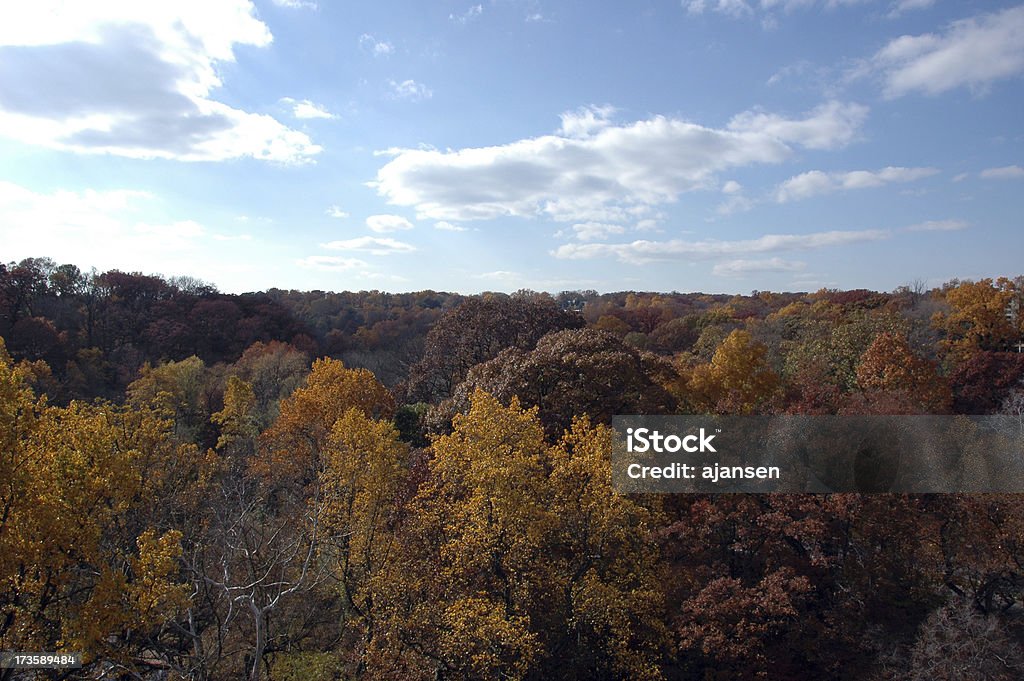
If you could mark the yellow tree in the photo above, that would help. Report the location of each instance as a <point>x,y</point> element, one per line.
<point>177,390</point>
<point>295,443</point>
<point>604,555</point>
<point>362,483</point>
<point>237,420</point>
<point>269,534</point>
<point>82,563</point>
<point>520,560</point>
<point>738,380</point>
<point>460,599</point>
<point>977,317</point>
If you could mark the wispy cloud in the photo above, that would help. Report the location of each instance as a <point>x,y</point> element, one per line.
<point>337,212</point>
<point>974,53</point>
<point>303,108</point>
<point>742,267</point>
<point>296,4</point>
<point>387,223</point>
<point>449,227</point>
<point>586,120</point>
<point>596,231</point>
<point>643,251</point>
<point>409,90</point>
<point>103,228</point>
<point>331,263</point>
<point>469,15</point>
<point>816,182</point>
<point>1003,173</point>
<point>372,245</point>
<point>903,6</point>
<point>939,226</point>
<point>735,8</point>
<point>768,10</point>
<point>378,48</point>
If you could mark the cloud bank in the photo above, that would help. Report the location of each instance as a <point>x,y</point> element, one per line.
<point>595,171</point>
<point>135,79</point>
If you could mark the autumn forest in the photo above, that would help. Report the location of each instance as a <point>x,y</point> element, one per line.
<point>292,485</point>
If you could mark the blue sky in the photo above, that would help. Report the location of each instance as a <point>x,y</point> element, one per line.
<point>715,145</point>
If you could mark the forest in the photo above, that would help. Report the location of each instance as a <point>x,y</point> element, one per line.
<point>292,485</point>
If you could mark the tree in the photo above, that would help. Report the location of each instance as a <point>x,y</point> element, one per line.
<point>521,559</point>
<point>977,318</point>
<point>476,331</point>
<point>86,561</point>
<point>237,420</point>
<point>738,380</point>
<point>889,366</point>
<point>982,380</point>
<point>274,370</point>
<point>958,641</point>
<point>609,620</point>
<point>363,483</point>
<point>293,446</point>
<point>179,391</point>
<point>571,374</point>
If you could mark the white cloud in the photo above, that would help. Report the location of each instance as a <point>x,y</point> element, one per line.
<point>410,90</point>
<point>960,177</point>
<point>384,276</point>
<point>735,8</point>
<point>829,126</point>
<point>596,231</point>
<point>585,121</point>
<point>642,251</point>
<point>902,6</point>
<point>972,52</point>
<point>741,267</point>
<point>387,223</point>
<point>816,182</point>
<point>111,228</point>
<point>804,186</point>
<point>135,79</point>
<point>295,4</point>
<point>469,15</point>
<point>336,212</point>
<point>939,226</point>
<point>1003,173</point>
<point>500,275</point>
<point>796,70</point>
<point>303,108</point>
<point>736,203</point>
<point>449,227</point>
<point>372,245</point>
<point>378,48</point>
<point>614,174</point>
<point>330,263</point>
<point>768,8</point>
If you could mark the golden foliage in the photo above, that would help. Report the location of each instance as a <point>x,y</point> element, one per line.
<point>738,380</point>
<point>81,560</point>
<point>977,317</point>
<point>295,442</point>
<point>522,559</point>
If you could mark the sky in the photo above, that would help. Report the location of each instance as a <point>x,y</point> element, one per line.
<point>702,145</point>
